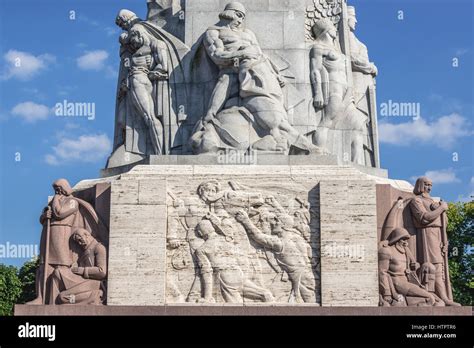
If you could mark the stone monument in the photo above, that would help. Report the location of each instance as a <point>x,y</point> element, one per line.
<point>245,173</point>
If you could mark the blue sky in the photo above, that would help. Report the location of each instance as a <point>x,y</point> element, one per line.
<point>77,60</point>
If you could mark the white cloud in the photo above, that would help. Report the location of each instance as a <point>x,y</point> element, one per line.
<point>31,112</point>
<point>443,133</point>
<point>86,148</point>
<point>93,60</point>
<point>472,181</point>
<point>443,176</point>
<point>24,66</point>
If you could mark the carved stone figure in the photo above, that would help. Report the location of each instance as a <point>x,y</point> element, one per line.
<point>399,283</point>
<point>292,253</point>
<point>363,73</point>
<point>430,220</point>
<point>83,282</point>
<point>219,256</point>
<point>150,92</point>
<point>331,92</point>
<point>247,108</point>
<point>64,214</point>
<point>425,220</point>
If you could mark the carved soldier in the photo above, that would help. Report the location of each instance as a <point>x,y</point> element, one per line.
<point>429,218</point>
<point>245,73</point>
<point>219,255</point>
<point>83,282</point>
<point>291,251</point>
<point>398,280</point>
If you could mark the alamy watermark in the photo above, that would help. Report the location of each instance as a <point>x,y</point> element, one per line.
<point>342,249</point>
<point>18,251</point>
<point>400,109</point>
<point>74,109</point>
<point>230,156</point>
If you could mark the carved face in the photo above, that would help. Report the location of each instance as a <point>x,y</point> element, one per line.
<point>136,39</point>
<point>208,191</point>
<point>427,186</point>
<point>332,33</point>
<point>352,22</point>
<point>238,20</point>
<point>82,238</point>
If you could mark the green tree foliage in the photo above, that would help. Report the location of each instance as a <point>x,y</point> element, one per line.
<point>461,260</point>
<point>10,289</point>
<point>27,276</point>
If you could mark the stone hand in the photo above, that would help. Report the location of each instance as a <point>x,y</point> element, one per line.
<point>375,71</point>
<point>48,214</point>
<point>444,205</point>
<point>157,75</point>
<point>242,216</point>
<point>77,270</point>
<point>174,243</point>
<point>318,102</point>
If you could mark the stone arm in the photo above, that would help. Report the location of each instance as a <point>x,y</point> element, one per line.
<point>421,215</point>
<point>44,216</point>
<point>99,270</point>
<point>206,274</point>
<point>160,53</point>
<point>360,59</point>
<point>216,50</point>
<point>385,280</point>
<point>363,66</point>
<point>270,242</point>
<point>316,65</point>
<point>62,210</point>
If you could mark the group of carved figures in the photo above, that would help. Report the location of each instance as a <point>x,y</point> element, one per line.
<point>73,261</point>
<point>217,237</point>
<point>413,265</point>
<point>247,108</point>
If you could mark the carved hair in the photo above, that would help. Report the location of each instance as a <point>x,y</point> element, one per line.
<point>125,16</point>
<point>78,231</point>
<point>228,15</point>
<point>63,184</point>
<point>420,185</point>
<point>207,185</point>
<point>321,27</point>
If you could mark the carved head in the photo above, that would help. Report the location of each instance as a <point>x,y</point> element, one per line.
<point>324,27</point>
<point>209,190</point>
<point>82,237</point>
<point>205,229</point>
<point>399,236</point>
<point>234,12</point>
<point>352,19</point>
<point>126,19</point>
<point>139,37</point>
<point>62,187</point>
<point>423,185</point>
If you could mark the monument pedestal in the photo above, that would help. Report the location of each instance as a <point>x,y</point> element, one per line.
<point>142,268</point>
